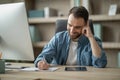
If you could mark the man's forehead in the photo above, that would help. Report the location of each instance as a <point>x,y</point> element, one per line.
<point>76,22</point>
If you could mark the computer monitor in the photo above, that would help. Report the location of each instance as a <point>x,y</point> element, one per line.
<point>15,41</point>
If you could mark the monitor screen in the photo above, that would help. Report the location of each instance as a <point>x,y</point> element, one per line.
<point>15,41</point>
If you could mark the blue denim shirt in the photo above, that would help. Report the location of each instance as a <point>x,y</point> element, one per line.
<point>57,50</point>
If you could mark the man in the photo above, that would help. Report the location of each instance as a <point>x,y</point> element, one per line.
<point>76,46</point>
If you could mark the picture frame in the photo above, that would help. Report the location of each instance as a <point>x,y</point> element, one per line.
<point>112,9</point>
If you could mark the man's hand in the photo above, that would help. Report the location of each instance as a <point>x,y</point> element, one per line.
<point>43,65</point>
<point>86,31</point>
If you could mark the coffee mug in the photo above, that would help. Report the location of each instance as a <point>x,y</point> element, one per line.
<point>2,66</point>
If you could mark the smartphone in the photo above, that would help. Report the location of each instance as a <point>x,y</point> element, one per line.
<point>75,69</point>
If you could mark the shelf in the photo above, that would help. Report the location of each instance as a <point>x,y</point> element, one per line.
<point>40,44</point>
<point>106,45</point>
<point>111,45</point>
<point>105,17</point>
<point>93,17</point>
<point>44,20</point>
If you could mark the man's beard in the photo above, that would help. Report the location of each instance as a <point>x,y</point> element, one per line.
<point>75,37</point>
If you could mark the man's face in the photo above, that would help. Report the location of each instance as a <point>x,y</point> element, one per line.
<point>75,26</point>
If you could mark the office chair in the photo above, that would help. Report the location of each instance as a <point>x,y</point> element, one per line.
<point>61,25</point>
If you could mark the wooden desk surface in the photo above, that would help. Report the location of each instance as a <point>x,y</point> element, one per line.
<point>60,74</point>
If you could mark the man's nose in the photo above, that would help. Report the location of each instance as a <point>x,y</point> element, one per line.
<point>72,30</point>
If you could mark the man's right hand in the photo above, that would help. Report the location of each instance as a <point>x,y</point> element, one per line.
<point>43,65</point>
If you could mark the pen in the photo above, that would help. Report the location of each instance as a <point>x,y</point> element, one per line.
<point>45,60</point>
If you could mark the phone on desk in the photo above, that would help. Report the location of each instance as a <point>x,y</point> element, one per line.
<point>75,69</point>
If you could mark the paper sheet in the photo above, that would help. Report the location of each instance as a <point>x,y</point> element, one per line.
<point>36,69</point>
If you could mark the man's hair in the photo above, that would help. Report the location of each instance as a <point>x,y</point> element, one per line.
<point>80,12</point>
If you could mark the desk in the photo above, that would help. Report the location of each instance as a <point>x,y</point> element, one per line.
<point>60,74</point>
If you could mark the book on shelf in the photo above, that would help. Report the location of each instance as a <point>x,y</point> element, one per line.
<point>77,2</point>
<point>36,13</point>
<point>50,12</point>
<point>86,4</point>
<point>118,59</point>
<point>34,33</point>
<point>98,30</point>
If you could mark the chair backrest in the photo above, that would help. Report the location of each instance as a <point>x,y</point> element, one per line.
<point>61,25</point>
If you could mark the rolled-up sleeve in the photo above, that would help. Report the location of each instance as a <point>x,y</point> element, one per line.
<point>49,50</point>
<point>102,61</point>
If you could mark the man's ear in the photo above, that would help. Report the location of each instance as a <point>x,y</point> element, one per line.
<point>83,31</point>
